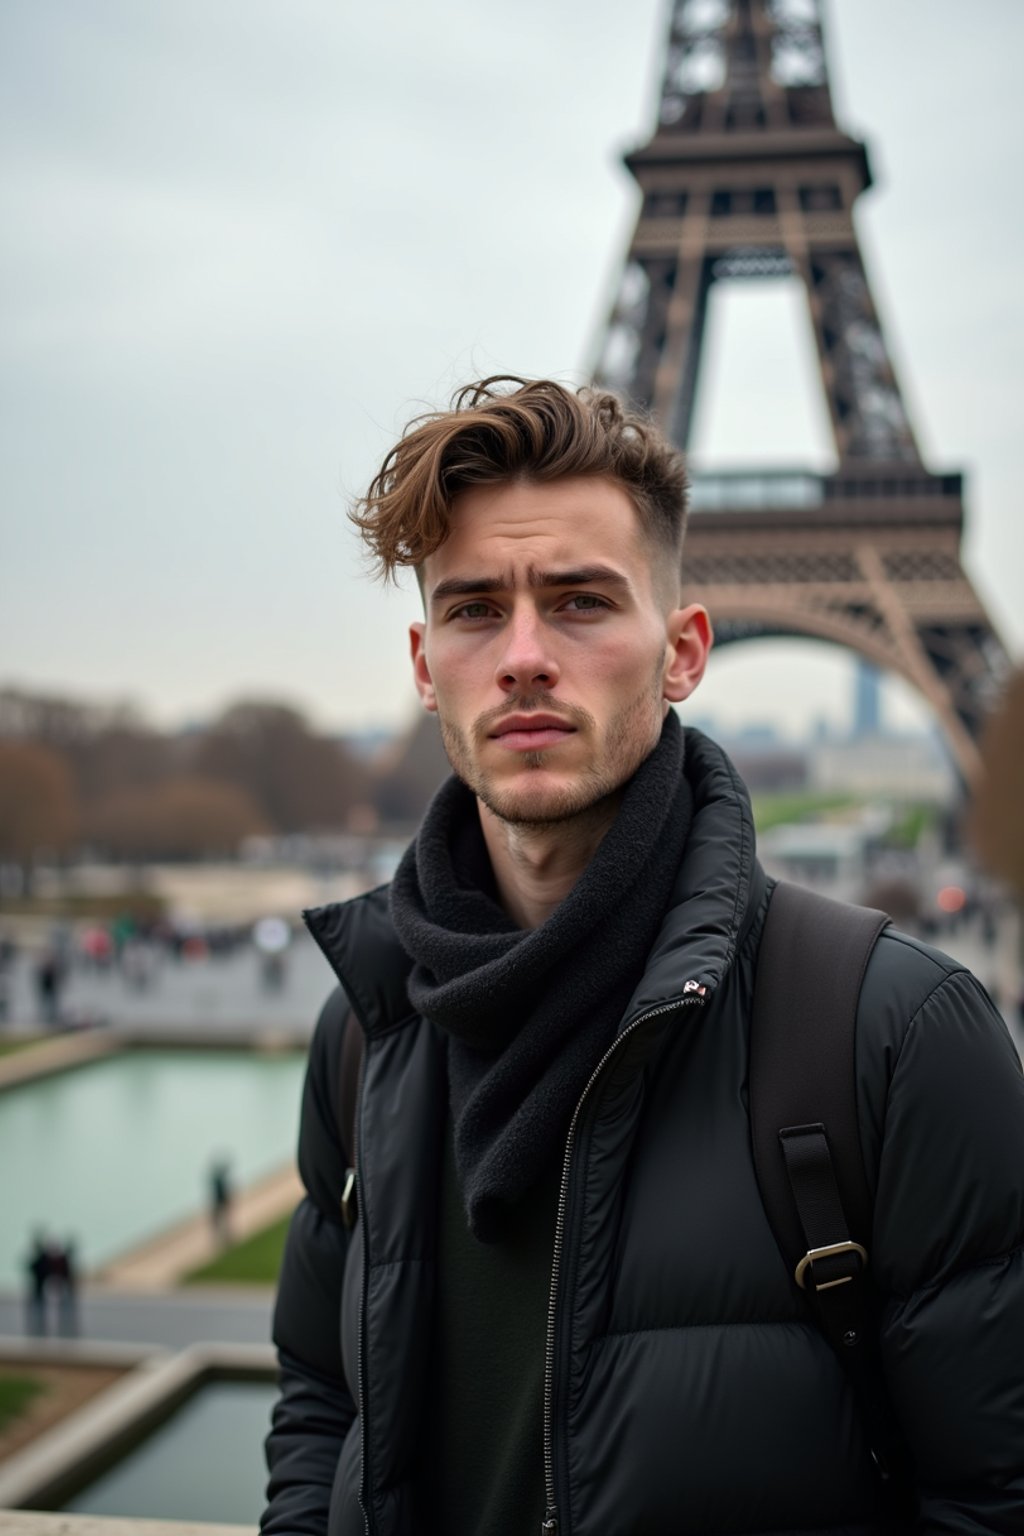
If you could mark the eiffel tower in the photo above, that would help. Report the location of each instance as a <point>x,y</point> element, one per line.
<point>748,176</point>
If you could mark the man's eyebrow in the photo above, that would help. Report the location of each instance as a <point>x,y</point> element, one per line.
<point>467,586</point>
<point>578,576</point>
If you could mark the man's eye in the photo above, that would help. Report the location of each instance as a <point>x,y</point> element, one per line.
<point>472,611</point>
<point>585,602</point>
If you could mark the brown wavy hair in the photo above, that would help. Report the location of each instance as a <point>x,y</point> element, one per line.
<point>506,428</point>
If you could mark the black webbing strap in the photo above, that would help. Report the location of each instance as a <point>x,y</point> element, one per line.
<point>835,1278</point>
<point>805,1131</point>
<point>830,1254</point>
<point>352,1042</point>
<point>810,966</point>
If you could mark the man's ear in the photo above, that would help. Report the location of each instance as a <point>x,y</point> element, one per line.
<point>689,641</point>
<point>420,669</point>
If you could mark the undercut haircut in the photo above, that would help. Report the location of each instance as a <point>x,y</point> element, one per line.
<point>506,429</point>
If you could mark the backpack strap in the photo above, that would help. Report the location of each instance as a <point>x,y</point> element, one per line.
<point>349,1072</point>
<point>810,965</point>
<point>806,1135</point>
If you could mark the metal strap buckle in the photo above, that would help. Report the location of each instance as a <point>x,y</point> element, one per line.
<point>348,1199</point>
<point>800,1273</point>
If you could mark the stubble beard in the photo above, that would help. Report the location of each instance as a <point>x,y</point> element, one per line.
<point>630,737</point>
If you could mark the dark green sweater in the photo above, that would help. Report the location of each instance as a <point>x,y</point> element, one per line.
<point>482,1470</point>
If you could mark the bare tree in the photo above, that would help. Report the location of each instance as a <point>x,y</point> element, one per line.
<point>302,781</point>
<point>38,807</point>
<point>180,818</point>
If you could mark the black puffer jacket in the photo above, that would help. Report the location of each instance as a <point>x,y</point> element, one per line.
<point>689,1390</point>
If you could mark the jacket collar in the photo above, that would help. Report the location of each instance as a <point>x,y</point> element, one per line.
<point>711,909</point>
<point>718,889</point>
<point>360,945</point>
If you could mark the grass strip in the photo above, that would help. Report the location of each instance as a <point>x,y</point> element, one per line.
<point>255,1261</point>
<point>776,810</point>
<point>16,1392</point>
<point>24,1043</point>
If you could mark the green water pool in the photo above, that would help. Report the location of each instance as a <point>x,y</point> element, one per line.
<point>205,1463</point>
<point>114,1152</point>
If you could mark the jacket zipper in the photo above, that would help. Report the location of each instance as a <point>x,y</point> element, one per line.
<point>550,1523</point>
<point>360,1388</point>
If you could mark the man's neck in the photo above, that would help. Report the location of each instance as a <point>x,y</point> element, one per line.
<point>536,865</point>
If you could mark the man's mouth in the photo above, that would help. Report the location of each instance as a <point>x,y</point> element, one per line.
<point>531,733</point>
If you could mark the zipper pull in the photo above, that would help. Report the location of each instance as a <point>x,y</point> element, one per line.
<point>549,1525</point>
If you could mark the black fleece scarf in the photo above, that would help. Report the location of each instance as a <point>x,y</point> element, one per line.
<point>530,1013</point>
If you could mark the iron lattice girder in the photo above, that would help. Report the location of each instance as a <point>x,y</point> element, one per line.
<point>886,582</point>
<point>743,181</point>
<point>743,61</point>
<point>747,175</point>
<point>730,218</point>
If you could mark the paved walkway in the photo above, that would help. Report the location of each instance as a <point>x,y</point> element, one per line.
<point>200,1315</point>
<point>222,996</point>
<point>18,1522</point>
<point>167,1259</point>
<point>56,1055</point>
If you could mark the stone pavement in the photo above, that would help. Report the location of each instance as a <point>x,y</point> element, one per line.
<point>19,1522</point>
<point>221,996</point>
<point>56,1055</point>
<point>173,1320</point>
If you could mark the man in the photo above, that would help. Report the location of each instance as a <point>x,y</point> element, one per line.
<point>562,1308</point>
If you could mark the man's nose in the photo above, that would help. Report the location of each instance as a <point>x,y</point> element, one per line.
<point>526,660</point>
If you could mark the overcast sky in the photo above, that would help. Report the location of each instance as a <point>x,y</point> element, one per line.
<point>245,240</point>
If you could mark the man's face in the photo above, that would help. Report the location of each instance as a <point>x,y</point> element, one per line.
<point>546,652</point>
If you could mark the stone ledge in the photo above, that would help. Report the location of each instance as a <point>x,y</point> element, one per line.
<point>76,1048</point>
<point>19,1349</point>
<point>87,1441</point>
<point>59,1054</point>
<point>18,1522</point>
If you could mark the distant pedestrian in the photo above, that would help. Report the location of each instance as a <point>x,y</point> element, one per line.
<point>220,1200</point>
<point>137,963</point>
<point>38,1271</point>
<point>49,979</point>
<point>97,948</point>
<point>7,953</point>
<point>272,936</point>
<point>63,1277</point>
<point>272,973</point>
